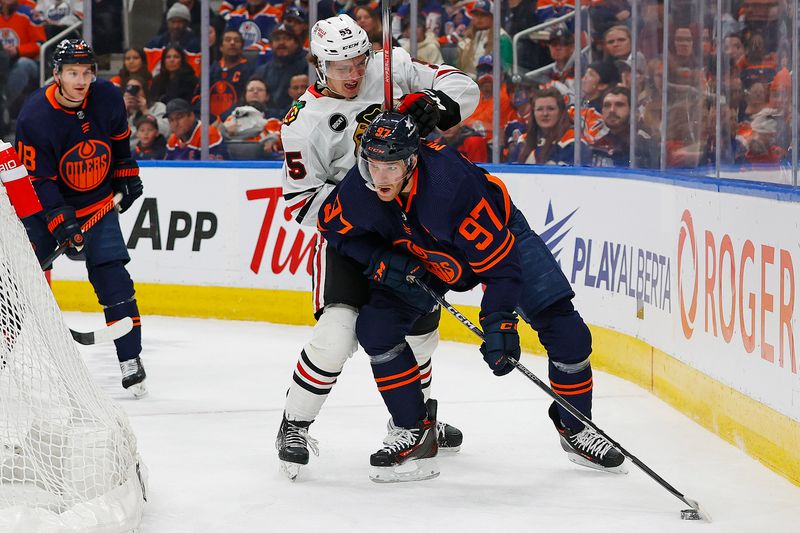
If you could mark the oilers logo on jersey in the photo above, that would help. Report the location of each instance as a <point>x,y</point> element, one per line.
<point>440,264</point>
<point>251,33</point>
<point>86,164</point>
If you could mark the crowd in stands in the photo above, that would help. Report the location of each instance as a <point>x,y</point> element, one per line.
<point>259,68</point>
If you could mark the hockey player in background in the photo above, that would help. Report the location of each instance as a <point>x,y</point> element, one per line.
<point>408,209</point>
<point>73,138</point>
<point>321,134</point>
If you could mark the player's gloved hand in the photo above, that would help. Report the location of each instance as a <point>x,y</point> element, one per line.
<point>425,107</point>
<point>393,270</point>
<point>64,226</point>
<point>500,341</point>
<point>126,180</point>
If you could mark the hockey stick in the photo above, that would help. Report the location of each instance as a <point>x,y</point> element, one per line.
<point>695,513</point>
<point>109,333</point>
<point>386,11</point>
<point>119,328</point>
<point>100,213</point>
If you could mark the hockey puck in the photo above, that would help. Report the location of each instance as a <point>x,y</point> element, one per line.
<point>690,514</point>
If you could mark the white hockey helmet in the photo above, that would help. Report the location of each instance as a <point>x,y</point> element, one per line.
<point>337,38</point>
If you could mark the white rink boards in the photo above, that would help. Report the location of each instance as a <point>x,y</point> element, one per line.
<point>207,431</point>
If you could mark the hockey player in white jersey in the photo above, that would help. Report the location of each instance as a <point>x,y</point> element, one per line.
<point>321,135</point>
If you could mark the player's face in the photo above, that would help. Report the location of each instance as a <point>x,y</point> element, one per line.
<point>345,77</point>
<point>546,112</point>
<point>75,81</point>
<point>133,62</point>
<point>387,177</point>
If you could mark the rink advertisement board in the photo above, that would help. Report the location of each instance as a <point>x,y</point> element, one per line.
<point>707,277</point>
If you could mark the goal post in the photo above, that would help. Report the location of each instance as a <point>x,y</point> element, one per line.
<point>68,456</point>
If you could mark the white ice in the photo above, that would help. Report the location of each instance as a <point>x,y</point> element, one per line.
<point>206,432</point>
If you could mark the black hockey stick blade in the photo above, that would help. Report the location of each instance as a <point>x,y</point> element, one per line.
<point>107,334</point>
<point>695,513</point>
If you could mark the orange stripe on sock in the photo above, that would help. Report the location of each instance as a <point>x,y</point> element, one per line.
<point>395,385</point>
<point>575,386</point>
<point>415,368</point>
<point>574,392</point>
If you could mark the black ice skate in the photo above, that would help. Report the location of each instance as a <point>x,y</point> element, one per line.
<point>587,447</point>
<point>408,454</point>
<point>133,376</point>
<point>292,443</point>
<point>448,437</point>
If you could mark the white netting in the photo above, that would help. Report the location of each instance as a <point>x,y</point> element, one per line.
<point>68,459</point>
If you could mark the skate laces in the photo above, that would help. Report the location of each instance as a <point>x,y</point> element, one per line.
<point>591,442</point>
<point>298,436</point>
<point>399,438</point>
<point>129,367</point>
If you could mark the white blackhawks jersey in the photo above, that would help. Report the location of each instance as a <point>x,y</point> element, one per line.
<point>321,134</point>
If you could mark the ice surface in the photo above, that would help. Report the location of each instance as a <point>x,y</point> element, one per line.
<point>207,431</point>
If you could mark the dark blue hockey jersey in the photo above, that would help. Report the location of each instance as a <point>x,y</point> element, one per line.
<point>455,220</point>
<point>70,153</point>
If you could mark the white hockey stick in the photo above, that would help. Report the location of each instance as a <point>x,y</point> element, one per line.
<point>109,333</point>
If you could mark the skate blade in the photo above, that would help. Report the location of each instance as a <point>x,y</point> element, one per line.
<point>415,470</point>
<point>138,390</point>
<point>451,449</point>
<point>290,470</point>
<point>579,460</point>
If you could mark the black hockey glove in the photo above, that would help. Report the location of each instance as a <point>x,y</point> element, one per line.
<point>425,108</point>
<point>64,226</point>
<point>126,180</point>
<point>393,270</point>
<point>500,341</point>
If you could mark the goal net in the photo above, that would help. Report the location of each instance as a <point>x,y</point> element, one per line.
<point>68,458</point>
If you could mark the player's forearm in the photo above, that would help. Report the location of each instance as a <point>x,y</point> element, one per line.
<point>462,90</point>
<point>48,193</point>
<point>502,294</point>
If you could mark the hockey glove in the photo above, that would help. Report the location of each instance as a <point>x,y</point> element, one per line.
<point>64,226</point>
<point>126,180</point>
<point>500,341</point>
<point>393,270</point>
<point>425,108</point>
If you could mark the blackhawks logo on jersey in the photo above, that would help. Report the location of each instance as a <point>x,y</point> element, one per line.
<point>291,116</point>
<point>363,120</point>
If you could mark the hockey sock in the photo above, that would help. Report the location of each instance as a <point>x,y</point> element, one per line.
<point>398,378</point>
<point>423,347</point>
<point>575,386</point>
<point>129,346</point>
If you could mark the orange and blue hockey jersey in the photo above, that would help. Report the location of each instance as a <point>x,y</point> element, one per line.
<point>70,153</point>
<point>257,27</point>
<point>179,150</point>
<point>22,29</point>
<point>455,221</point>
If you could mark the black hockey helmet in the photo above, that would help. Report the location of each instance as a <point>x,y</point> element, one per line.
<point>392,136</point>
<point>73,52</point>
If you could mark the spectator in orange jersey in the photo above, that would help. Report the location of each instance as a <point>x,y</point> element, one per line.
<point>550,139</point>
<point>176,79</point>
<point>20,34</point>
<point>178,35</point>
<point>469,142</point>
<point>134,61</point>
<point>485,111</point>
<point>763,148</point>
<point>184,142</point>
